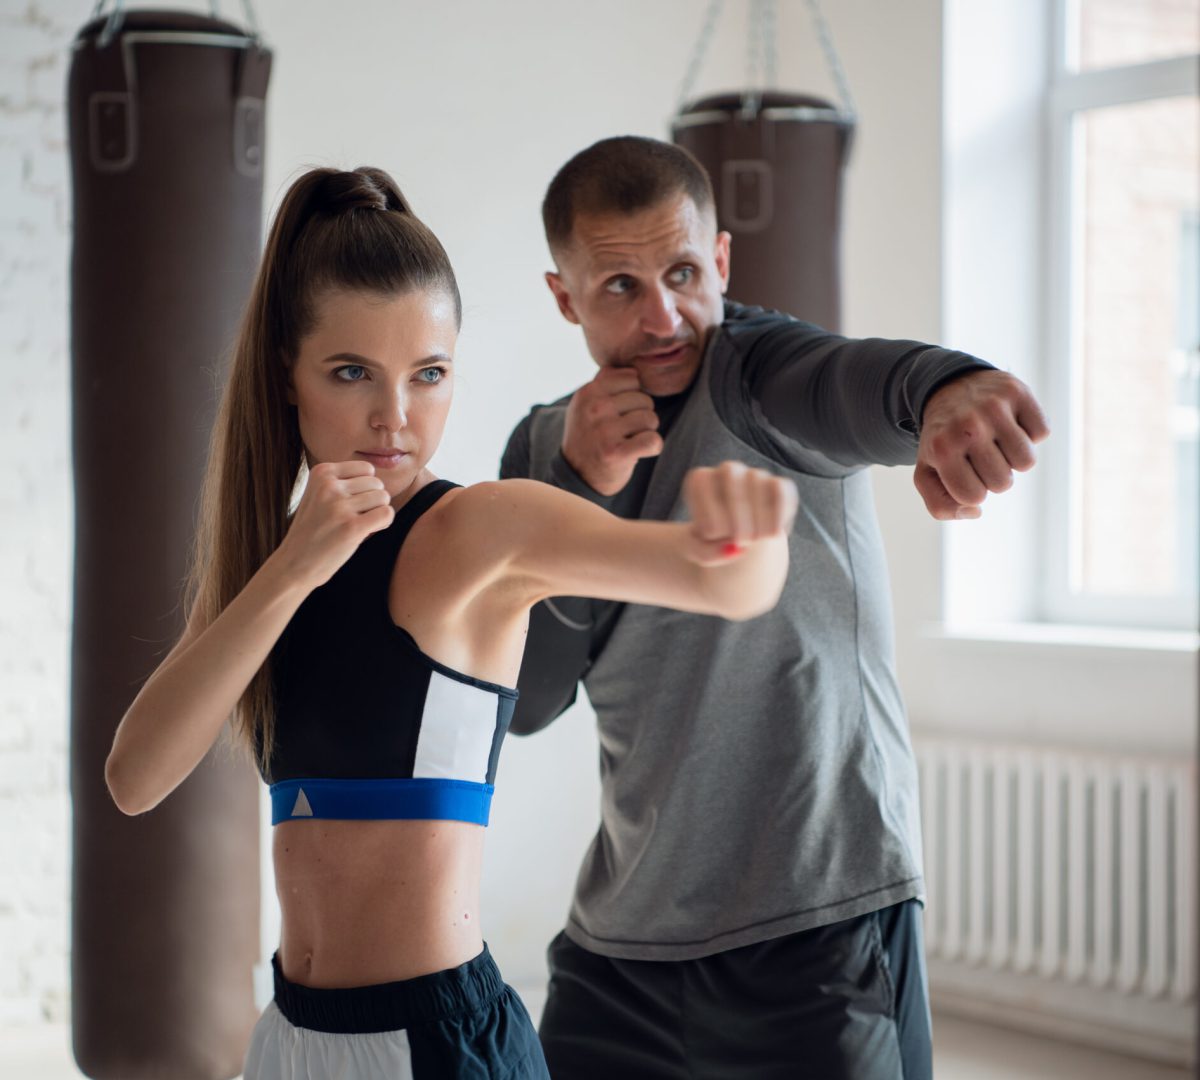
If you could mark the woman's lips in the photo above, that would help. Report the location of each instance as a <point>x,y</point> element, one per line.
<point>383,459</point>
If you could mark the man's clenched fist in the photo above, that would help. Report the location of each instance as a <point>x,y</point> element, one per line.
<point>610,425</point>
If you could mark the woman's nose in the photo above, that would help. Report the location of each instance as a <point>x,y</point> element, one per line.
<point>390,413</point>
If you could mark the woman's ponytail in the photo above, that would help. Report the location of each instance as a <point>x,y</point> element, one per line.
<point>333,230</point>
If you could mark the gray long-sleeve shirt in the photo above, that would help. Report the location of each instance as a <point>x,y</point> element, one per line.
<point>757,777</point>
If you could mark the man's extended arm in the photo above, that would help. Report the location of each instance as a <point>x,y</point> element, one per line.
<point>965,424</point>
<point>857,401</point>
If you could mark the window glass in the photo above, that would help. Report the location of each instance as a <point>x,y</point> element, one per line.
<point>1110,33</point>
<point>1136,252</point>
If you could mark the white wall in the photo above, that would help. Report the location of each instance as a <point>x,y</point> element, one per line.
<point>472,106</point>
<point>35,513</point>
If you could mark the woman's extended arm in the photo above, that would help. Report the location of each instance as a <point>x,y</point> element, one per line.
<point>729,560</point>
<point>182,707</point>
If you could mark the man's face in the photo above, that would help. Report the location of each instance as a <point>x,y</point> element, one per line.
<point>646,287</point>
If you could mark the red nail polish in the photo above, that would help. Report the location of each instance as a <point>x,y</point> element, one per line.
<point>731,549</point>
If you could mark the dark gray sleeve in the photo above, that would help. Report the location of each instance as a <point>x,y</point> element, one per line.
<point>857,401</point>
<point>557,650</point>
<point>515,462</point>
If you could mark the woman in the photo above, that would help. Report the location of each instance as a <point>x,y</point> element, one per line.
<point>366,644</point>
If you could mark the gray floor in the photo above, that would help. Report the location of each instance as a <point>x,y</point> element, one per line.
<point>963,1050</point>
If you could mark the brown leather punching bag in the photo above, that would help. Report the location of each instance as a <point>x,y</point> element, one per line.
<point>166,142</point>
<point>776,169</point>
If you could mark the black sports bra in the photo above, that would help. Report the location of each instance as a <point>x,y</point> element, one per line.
<point>367,725</point>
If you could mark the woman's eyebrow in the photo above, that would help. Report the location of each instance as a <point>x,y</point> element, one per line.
<point>357,358</point>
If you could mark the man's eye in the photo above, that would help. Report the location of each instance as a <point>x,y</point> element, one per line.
<point>619,285</point>
<point>682,275</point>
<point>351,373</point>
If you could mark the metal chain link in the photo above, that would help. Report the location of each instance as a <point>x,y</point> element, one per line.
<point>251,19</point>
<point>761,58</point>
<point>769,24</point>
<point>761,65</point>
<point>698,52</point>
<point>832,59</point>
<point>753,42</point>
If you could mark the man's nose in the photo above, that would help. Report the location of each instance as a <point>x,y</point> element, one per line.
<point>660,317</point>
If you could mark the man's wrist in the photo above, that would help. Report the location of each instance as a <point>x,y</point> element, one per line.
<point>924,384</point>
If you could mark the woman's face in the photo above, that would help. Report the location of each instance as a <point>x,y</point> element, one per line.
<point>373,382</point>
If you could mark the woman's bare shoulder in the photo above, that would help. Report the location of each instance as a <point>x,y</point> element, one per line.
<point>495,521</point>
<point>496,501</point>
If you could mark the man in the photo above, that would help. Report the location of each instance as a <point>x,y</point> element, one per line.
<point>751,903</point>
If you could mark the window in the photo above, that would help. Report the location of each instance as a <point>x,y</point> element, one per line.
<point>1123,334</point>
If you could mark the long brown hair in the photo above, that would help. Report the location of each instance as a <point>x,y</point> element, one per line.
<point>334,230</point>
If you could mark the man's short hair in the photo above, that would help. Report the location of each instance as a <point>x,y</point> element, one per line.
<point>625,174</point>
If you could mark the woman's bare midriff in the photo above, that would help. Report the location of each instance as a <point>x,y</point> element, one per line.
<point>367,902</point>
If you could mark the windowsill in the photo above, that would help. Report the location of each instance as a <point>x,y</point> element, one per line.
<point>1063,635</point>
<point>1116,688</point>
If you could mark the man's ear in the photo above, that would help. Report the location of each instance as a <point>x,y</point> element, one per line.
<point>721,258</point>
<point>561,296</point>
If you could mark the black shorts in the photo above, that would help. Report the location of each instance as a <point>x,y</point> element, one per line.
<point>460,1023</point>
<point>848,1001</point>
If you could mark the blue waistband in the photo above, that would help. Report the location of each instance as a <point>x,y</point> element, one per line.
<point>425,798</point>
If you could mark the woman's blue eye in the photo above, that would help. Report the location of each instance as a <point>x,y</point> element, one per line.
<point>351,373</point>
<point>431,375</point>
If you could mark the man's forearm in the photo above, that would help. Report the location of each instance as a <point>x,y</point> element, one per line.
<point>857,401</point>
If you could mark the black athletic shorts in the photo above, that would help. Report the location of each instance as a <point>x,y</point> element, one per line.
<point>848,1001</point>
<point>459,1024</point>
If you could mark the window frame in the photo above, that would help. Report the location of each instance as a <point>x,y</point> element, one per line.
<point>1070,93</point>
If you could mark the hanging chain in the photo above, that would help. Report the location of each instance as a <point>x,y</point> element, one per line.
<point>769,24</point>
<point>251,19</point>
<point>698,52</point>
<point>753,44</point>
<point>760,53</point>
<point>112,24</point>
<point>761,58</point>
<point>832,59</point>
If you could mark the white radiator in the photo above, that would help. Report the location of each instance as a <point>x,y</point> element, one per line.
<point>1062,891</point>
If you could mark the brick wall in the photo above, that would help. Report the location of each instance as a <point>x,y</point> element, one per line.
<point>35,510</point>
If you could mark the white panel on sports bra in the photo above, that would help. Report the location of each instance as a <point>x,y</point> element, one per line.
<point>456,731</point>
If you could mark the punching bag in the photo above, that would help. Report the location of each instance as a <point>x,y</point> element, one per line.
<point>776,162</point>
<point>776,169</point>
<point>166,142</point>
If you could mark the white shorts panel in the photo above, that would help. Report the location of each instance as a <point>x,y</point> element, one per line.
<point>281,1051</point>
